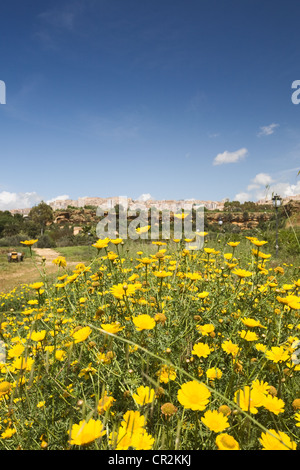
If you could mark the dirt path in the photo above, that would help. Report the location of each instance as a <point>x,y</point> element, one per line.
<point>48,253</point>
<point>26,272</point>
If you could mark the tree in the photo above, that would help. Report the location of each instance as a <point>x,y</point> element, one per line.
<point>41,215</point>
<point>232,206</point>
<point>5,218</point>
<point>246,216</point>
<point>11,228</point>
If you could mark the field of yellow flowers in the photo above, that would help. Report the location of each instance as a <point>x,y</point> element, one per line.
<point>177,350</point>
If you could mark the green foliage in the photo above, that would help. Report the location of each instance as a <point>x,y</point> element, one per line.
<point>65,380</point>
<point>288,241</point>
<point>249,206</point>
<point>5,219</point>
<point>45,241</point>
<point>41,215</point>
<point>14,240</point>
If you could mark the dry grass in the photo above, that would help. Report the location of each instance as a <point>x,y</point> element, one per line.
<point>13,275</point>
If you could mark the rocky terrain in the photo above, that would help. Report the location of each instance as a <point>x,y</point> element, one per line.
<point>82,213</point>
<point>78,218</point>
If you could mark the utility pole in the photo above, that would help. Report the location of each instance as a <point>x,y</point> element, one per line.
<point>276,202</point>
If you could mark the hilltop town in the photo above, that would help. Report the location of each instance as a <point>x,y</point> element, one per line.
<point>172,205</point>
<point>77,216</point>
<point>110,202</point>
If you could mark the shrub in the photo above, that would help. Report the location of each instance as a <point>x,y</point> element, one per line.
<point>45,241</point>
<point>13,240</point>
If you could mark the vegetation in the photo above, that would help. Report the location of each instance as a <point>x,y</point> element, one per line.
<point>248,206</point>
<point>190,349</point>
<point>41,224</point>
<point>41,215</point>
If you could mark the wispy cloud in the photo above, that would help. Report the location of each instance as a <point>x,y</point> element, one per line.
<point>57,20</point>
<point>230,157</point>
<point>267,130</point>
<point>124,126</point>
<point>290,172</point>
<point>197,101</point>
<point>62,17</point>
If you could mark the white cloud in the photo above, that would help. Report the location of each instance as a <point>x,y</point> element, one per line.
<point>267,130</point>
<point>144,197</point>
<point>213,136</point>
<point>262,179</point>
<point>286,189</point>
<point>59,198</point>
<point>262,186</point>
<point>242,197</point>
<point>230,157</point>
<point>250,187</point>
<point>257,187</point>
<point>9,200</point>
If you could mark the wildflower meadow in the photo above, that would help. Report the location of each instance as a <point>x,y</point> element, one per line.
<point>176,349</point>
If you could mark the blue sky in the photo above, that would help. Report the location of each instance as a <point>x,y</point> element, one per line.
<point>169,98</point>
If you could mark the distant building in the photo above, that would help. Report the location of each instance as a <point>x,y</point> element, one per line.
<point>171,205</point>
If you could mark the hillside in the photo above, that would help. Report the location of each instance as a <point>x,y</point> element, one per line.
<point>77,225</point>
<point>79,218</point>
